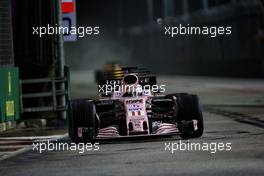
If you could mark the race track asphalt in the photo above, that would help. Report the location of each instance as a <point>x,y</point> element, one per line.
<point>239,125</point>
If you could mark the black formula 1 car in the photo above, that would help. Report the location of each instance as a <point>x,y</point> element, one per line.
<point>133,105</point>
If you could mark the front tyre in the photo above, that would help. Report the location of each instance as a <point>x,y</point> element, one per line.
<point>189,111</point>
<point>82,116</point>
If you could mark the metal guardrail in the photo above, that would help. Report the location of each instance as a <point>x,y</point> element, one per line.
<point>53,93</point>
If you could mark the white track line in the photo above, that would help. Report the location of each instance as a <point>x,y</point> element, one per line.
<point>29,147</point>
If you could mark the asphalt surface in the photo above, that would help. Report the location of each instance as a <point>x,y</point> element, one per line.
<point>233,116</point>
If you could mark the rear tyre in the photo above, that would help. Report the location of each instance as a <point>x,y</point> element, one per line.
<point>82,114</point>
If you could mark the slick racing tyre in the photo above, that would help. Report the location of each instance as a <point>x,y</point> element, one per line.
<point>189,110</point>
<point>82,115</point>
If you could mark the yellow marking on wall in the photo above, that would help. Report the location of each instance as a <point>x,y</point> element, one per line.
<point>10,108</point>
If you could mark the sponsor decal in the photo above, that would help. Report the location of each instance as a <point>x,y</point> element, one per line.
<point>134,101</point>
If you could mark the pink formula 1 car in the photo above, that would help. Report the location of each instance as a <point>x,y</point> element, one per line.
<point>133,105</point>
